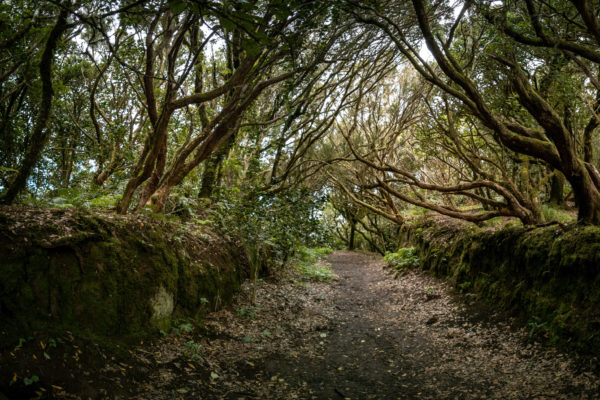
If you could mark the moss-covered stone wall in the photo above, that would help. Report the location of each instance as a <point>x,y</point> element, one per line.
<point>108,275</point>
<point>548,276</point>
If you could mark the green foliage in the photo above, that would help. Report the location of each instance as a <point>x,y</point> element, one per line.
<point>180,327</point>
<point>535,326</point>
<point>76,197</point>
<point>272,225</point>
<point>402,260</point>
<point>186,327</point>
<point>313,254</point>
<point>317,272</point>
<point>309,261</point>
<point>105,201</point>
<point>20,344</point>
<point>193,346</point>
<point>31,380</point>
<point>183,202</point>
<point>250,312</point>
<point>464,286</point>
<point>553,214</point>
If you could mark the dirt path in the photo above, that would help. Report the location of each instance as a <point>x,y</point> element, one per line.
<point>408,339</point>
<point>364,336</point>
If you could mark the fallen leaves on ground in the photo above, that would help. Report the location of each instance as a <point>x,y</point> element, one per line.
<point>364,336</point>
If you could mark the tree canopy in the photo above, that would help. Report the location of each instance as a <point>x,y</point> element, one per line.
<point>353,112</point>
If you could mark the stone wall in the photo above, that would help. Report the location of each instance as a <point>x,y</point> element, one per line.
<point>549,277</point>
<point>107,275</point>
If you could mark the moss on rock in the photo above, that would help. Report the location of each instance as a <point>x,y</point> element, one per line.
<point>547,276</point>
<point>107,275</point>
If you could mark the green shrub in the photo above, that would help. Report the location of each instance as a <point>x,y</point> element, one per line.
<point>317,272</point>
<point>309,262</point>
<point>402,260</point>
<point>555,214</point>
<point>312,255</point>
<point>278,222</point>
<point>106,201</point>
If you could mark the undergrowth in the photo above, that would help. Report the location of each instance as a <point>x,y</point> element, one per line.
<point>402,260</point>
<point>562,216</point>
<point>309,261</point>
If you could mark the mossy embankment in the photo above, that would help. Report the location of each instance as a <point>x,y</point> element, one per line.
<point>549,276</point>
<point>103,275</point>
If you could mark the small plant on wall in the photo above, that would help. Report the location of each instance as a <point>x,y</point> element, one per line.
<point>402,260</point>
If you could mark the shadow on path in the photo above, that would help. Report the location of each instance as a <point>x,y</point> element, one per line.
<point>364,336</point>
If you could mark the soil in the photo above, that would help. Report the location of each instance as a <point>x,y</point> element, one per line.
<point>363,336</point>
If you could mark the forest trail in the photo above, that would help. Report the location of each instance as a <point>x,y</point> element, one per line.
<point>364,336</point>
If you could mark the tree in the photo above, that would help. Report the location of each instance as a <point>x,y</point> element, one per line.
<point>262,54</point>
<point>40,132</point>
<point>457,48</point>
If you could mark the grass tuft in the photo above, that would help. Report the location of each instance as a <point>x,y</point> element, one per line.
<point>310,262</point>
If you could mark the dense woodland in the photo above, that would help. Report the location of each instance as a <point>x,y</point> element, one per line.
<point>277,117</point>
<point>162,161</point>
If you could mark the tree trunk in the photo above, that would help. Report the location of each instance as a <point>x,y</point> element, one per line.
<point>159,198</point>
<point>157,174</point>
<point>352,233</point>
<point>588,135</point>
<point>589,130</point>
<point>587,196</point>
<point>149,161</point>
<point>66,168</point>
<point>212,164</point>
<point>557,185</point>
<point>209,177</point>
<point>179,171</point>
<point>40,132</point>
